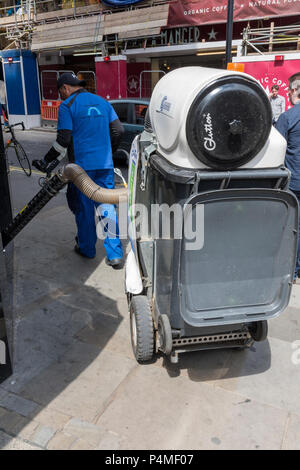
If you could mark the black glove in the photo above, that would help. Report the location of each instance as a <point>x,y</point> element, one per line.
<point>40,165</point>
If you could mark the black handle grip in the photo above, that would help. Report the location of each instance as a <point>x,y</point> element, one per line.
<point>51,167</point>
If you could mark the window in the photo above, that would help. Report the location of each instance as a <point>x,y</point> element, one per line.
<point>140,112</point>
<point>121,110</point>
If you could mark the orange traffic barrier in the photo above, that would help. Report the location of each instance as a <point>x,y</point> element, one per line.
<point>49,110</point>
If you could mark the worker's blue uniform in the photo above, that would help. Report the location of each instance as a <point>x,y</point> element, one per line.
<point>288,125</point>
<point>88,116</point>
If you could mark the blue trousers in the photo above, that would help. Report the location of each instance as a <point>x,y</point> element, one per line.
<point>297,194</point>
<point>84,211</point>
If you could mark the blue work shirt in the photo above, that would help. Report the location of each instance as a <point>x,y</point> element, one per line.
<point>88,117</point>
<point>288,125</point>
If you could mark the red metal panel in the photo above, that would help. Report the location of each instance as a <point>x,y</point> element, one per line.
<point>112,79</point>
<point>133,79</point>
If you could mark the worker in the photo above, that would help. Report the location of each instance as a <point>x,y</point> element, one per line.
<point>277,103</point>
<point>90,129</point>
<point>288,125</point>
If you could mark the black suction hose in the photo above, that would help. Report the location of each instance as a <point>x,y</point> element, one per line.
<point>52,186</point>
<point>49,190</point>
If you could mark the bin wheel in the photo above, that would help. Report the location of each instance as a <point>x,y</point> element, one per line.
<point>165,334</point>
<point>259,330</point>
<point>141,328</point>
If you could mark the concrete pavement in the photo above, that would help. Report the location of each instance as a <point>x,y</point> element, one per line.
<point>76,384</point>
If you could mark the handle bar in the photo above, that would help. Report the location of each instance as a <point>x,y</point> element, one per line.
<point>17,124</point>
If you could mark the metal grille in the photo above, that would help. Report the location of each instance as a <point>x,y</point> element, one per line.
<point>148,80</point>
<point>90,79</point>
<point>49,83</point>
<point>234,336</point>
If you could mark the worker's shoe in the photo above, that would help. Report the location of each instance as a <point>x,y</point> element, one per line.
<point>116,263</point>
<point>79,252</point>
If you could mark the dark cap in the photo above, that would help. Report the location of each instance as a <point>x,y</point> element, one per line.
<point>69,79</point>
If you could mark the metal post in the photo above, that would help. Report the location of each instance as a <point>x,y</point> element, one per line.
<point>6,300</point>
<point>229,29</point>
<point>5,206</point>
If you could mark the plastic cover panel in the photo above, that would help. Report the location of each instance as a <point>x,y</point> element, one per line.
<point>244,270</point>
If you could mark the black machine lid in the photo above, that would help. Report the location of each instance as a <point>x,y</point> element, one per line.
<point>229,122</point>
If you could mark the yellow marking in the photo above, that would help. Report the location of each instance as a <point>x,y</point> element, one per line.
<point>22,210</point>
<point>18,168</point>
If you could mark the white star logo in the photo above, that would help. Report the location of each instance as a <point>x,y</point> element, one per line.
<point>212,34</point>
<point>133,84</point>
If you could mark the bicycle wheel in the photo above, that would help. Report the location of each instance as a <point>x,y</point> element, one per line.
<point>23,159</point>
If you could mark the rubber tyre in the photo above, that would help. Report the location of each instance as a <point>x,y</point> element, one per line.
<point>259,330</point>
<point>141,328</point>
<point>165,334</point>
<point>23,159</point>
<point>121,155</point>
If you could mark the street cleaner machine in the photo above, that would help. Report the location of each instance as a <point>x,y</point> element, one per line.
<point>211,222</point>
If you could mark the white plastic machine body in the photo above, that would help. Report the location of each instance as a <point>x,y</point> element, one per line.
<point>170,105</point>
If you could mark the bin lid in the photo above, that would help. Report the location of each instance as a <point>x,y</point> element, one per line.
<point>229,122</point>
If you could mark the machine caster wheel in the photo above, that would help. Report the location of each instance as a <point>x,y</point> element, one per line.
<point>165,334</point>
<point>141,327</point>
<point>259,330</point>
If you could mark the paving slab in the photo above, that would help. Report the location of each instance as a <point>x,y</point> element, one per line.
<point>295,296</point>
<point>49,417</point>
<point>9,443</point>
<point>279,383</point>
<point>291,439</point>
<point>162,413</point>
<point>13,423</point>
<point>286,327</point>
<point>81,444</point>
<point>42,435</point>
<point>18,404</point>
<point>88,432</point>
<point>119,340</point>
<point>61,441</point>
<point>81,383</point>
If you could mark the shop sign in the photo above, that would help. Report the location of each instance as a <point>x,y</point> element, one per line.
<point>187,13</point>
<point>180,36</point>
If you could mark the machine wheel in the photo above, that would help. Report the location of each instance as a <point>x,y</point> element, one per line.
<point>141,327</point>
<point>259,330</point>
<point>165,334</point>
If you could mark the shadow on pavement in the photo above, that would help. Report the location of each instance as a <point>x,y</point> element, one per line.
<point>220,364</point>
<point>59,295</point>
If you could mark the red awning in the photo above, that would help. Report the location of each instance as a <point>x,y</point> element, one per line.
<point>191,13</point>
